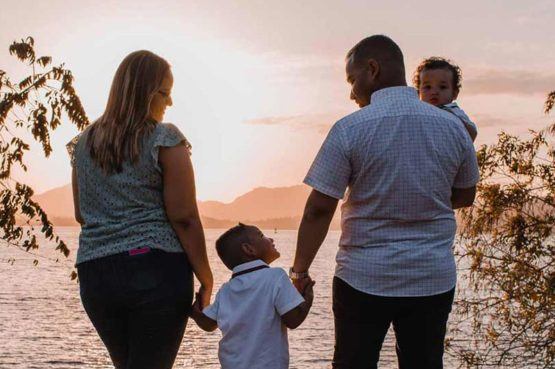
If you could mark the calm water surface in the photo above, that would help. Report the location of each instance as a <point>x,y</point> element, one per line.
<point>43,325</point>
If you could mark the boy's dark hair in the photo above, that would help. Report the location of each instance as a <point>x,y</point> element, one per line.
<point>228,245</point>
<point>436,62</point>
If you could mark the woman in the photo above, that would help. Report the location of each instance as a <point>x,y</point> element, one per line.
<point>141,235</point>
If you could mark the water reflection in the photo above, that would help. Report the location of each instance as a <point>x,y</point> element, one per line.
<point>43,325</point>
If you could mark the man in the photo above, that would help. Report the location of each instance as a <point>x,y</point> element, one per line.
<point>407,165</point>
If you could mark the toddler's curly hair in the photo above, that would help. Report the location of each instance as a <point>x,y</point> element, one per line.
<point>436,62</point>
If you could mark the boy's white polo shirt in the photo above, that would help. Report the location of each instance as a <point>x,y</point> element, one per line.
<point>248,309</point>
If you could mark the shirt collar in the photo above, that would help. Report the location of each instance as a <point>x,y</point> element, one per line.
<point>451,105</point>
<point>248,265</point>
<point>397,92</point>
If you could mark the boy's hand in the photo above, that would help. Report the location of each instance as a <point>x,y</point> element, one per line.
<point>293,318</point>
<point>204,322</point>
<point>196,310</point>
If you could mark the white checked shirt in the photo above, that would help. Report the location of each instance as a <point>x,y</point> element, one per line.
<point>399,158</point>
<point>248,309</point>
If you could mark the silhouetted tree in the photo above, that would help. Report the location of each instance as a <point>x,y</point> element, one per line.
<point>36,104</point>
<point>508,248</point>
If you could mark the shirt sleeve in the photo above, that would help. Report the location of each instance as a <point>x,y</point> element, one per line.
<point>331,170</point>
<point>286,295</point>
<point>470,126</point>
<point>168,136</point>
<point>211,310</point>
<point>71,147</point>
<point>468,173</point>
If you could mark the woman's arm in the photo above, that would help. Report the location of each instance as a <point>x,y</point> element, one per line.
<point>75,190</point>
<point>182,212</point>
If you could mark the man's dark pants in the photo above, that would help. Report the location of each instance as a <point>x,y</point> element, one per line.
<point>362,321</point>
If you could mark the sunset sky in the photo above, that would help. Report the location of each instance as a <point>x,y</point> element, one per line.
<point>258,84</point>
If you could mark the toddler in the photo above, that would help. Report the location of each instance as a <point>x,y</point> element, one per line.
<point>438,82</point>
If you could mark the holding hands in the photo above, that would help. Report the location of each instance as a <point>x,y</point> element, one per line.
<point>305,287</point>
<point>202,297</point>
<point>295,317</point>
<point>204,322</point>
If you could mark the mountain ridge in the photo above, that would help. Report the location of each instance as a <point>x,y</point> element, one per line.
<point>266,207</point>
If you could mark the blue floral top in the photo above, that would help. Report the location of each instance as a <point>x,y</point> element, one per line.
<point>125,210</point>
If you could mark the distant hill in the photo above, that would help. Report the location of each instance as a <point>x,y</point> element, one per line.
<point>280,207</point>
<point>58,202</point>
<point>268,208</point>
<point>260,203</point>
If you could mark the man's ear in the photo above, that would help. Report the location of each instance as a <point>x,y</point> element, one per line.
<point>455,93</point>
<point>373,68</point>
<point>248,249</point>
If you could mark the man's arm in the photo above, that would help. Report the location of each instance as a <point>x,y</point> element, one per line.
<point>295,317</point>
<point>317,217</point>
<point>462,197</point>
<point>471,129</point>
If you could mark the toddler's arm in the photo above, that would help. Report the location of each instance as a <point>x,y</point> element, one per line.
<point>470,126</point>
<point>205,323</point>
<point>295,317</point>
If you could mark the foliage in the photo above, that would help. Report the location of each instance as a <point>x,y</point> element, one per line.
<point>34,105</point>
<point>508,245</point>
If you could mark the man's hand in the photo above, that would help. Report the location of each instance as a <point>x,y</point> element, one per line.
<point>308,292</point>
<point>301,284</point>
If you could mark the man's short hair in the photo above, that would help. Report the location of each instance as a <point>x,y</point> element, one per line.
<point>379,47</point>
<point>228,245</point>
<point>436,62</point>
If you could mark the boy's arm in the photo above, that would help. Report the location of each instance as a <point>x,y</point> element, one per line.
<point>470,126</point>
<point>295,317</point>
<point>205,323</point>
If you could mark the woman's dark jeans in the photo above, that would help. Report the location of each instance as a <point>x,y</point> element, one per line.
<point>139,305</point>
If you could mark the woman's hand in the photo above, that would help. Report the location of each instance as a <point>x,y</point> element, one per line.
<point>203,296</point>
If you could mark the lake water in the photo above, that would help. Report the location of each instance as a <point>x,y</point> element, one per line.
<point>43,324</point>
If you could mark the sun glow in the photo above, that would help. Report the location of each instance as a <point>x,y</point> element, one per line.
<point>217,87</point>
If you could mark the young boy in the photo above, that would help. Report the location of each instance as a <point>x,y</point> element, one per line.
<point>253,309</point>
<point>438,82</point>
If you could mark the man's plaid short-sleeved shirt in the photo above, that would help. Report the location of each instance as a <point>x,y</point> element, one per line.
<point>399,158</point>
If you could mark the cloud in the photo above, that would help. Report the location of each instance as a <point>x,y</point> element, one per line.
<point>488,120</point>
<point>489,126</point>
<point>320,122</point>
<point>323,122</point>
<point>516,82</point>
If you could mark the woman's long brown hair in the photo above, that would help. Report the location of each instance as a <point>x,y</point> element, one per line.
<point>118,134</point>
